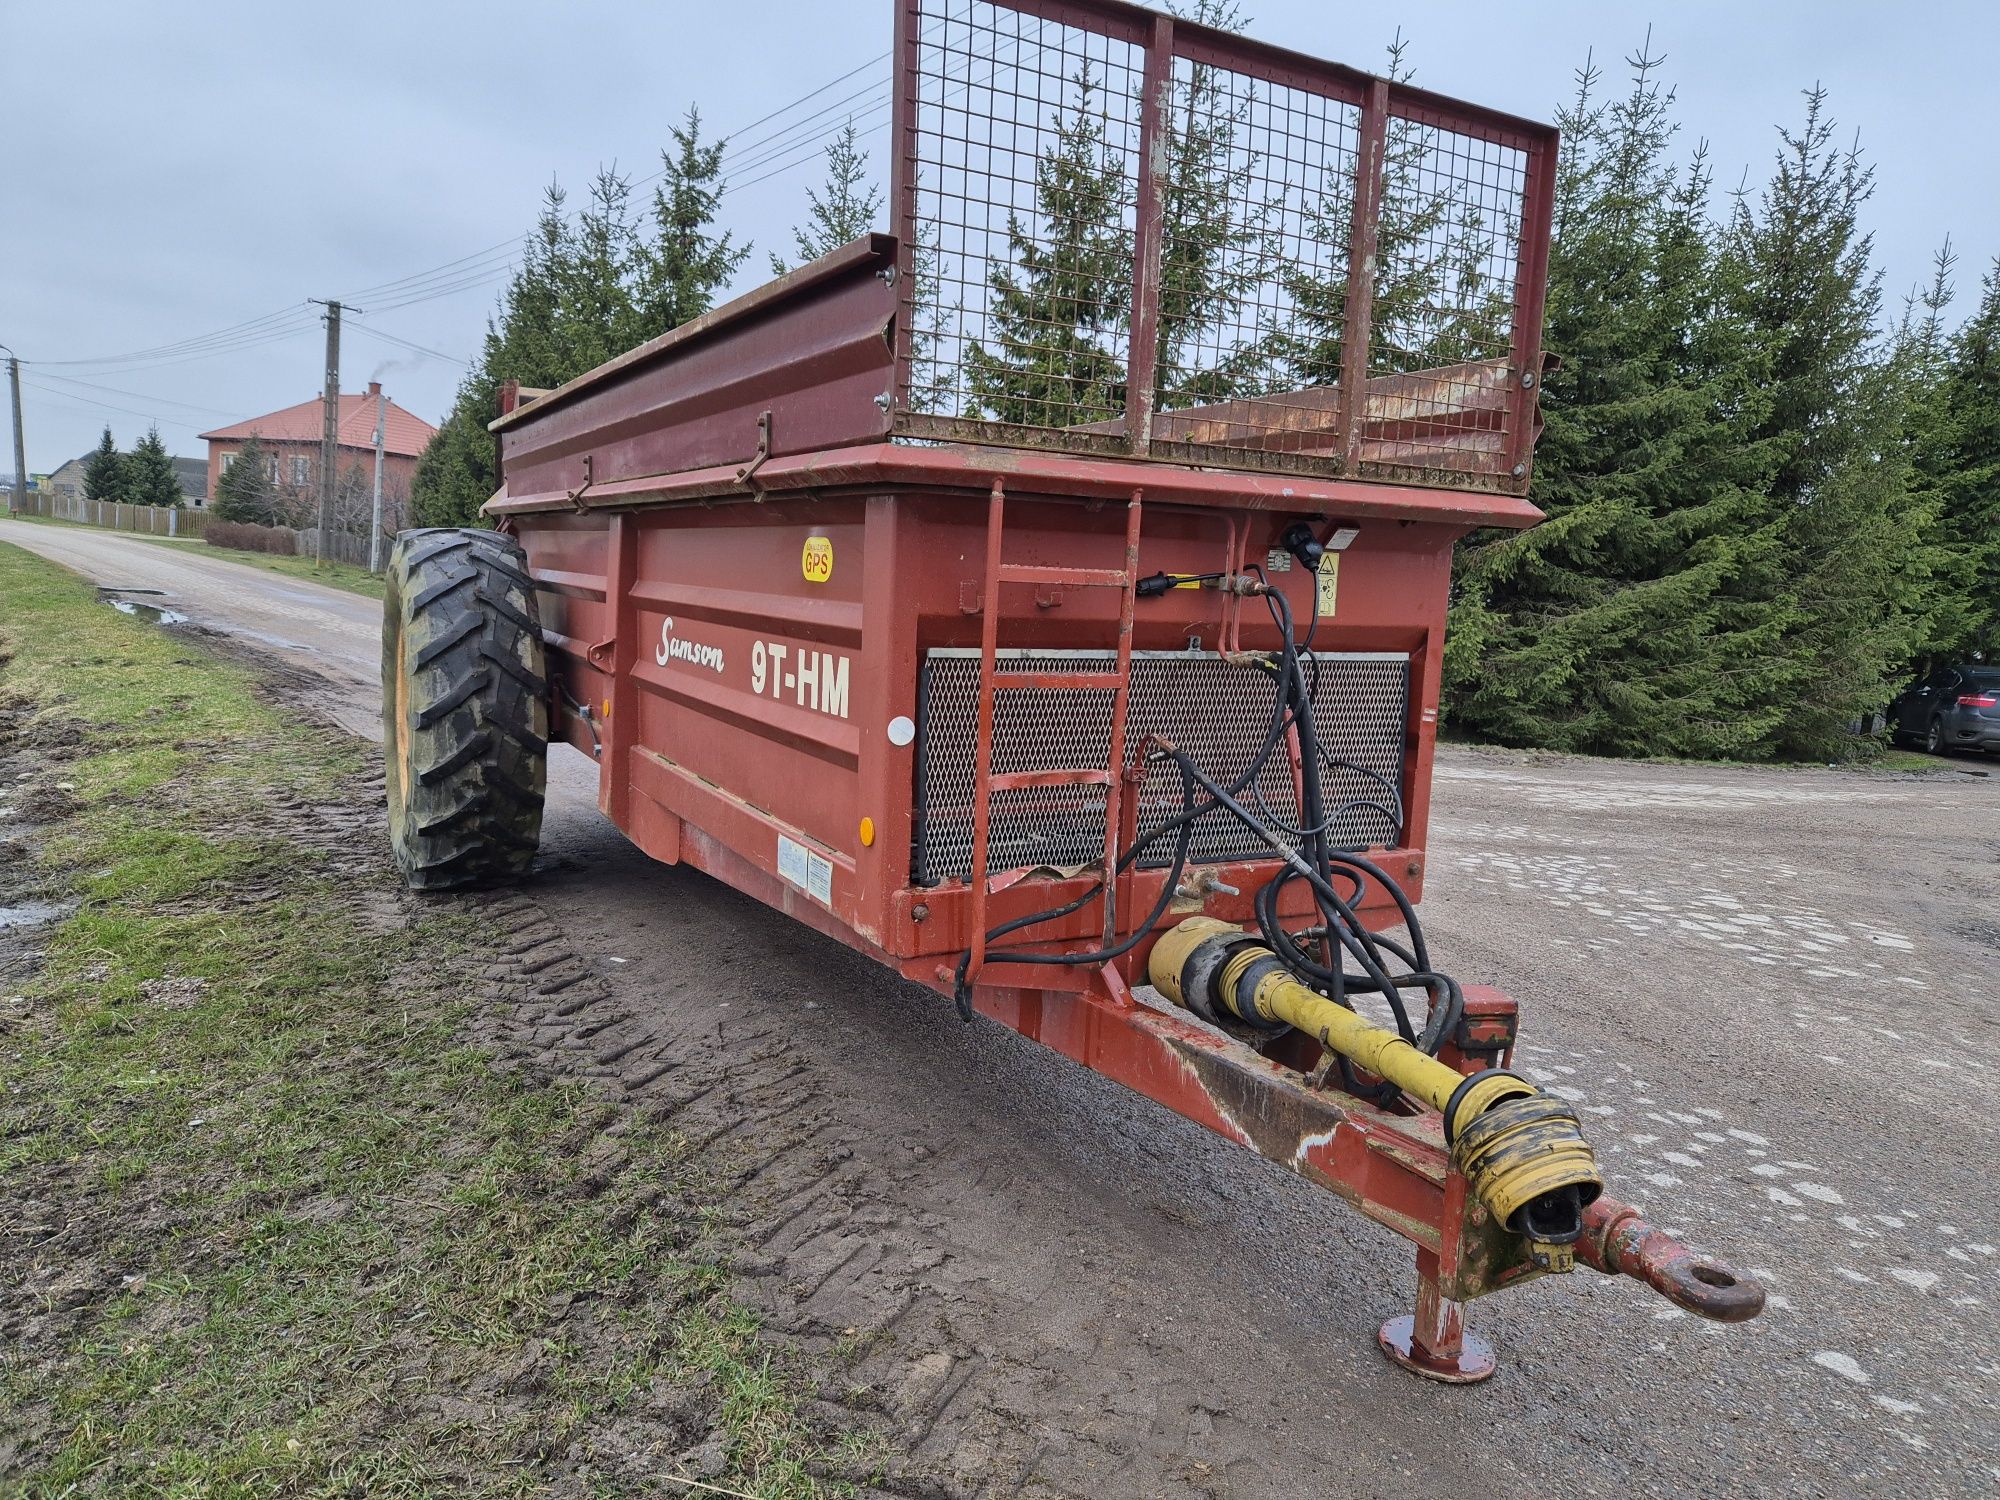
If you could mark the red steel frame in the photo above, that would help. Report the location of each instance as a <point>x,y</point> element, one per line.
<point>663,501</point>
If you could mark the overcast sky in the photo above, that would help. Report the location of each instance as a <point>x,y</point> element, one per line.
<point>174,170</point>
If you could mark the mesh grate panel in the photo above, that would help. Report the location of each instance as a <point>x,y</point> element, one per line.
<point>1277,205</point>
<point>1218,713</point>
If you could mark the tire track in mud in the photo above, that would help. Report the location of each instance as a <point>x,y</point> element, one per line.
<point>832,1259</point>
<point>889,1264</point>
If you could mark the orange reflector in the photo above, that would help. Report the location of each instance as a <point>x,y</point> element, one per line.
<point>867,832</point>
<point>607,708</point>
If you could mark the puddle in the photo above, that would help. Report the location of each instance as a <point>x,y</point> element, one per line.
<point>28,914</point>
<point>159,614</point>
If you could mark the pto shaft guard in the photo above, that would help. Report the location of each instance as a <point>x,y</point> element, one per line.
<point>1520,1151</point>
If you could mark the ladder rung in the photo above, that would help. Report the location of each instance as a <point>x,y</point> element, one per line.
<point>1083,578</point>
<point>1014,781</point>
<point>1058,681</point>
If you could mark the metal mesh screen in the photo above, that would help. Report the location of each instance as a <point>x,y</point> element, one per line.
<point>1028,134</point>
<point>1217,712</point>
<point>1127,233</point>
<point>1447,248</point>
<point>1256,217</point>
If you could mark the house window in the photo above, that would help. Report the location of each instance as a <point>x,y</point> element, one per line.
<point>227,460</point>
<point>301,469</point>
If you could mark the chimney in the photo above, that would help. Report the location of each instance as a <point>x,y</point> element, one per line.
<point>374,387</point>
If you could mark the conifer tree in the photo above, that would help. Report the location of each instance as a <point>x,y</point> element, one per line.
<point>149,474</point>
<point>1059,306</point>
<point>842,209</point>
<point>1637,619</point>
<point>595,313</point>
<point>104,471</point>
<point>244,494</point>
<point>456,473</point>
<point>1436,298</point>
<point>684,263</point>
<point>1803,287</point>
<point>1965,475</point>
<point>587,289</point>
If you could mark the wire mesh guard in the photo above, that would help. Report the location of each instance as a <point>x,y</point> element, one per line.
<point>1217,712</point>
<point>1022,192</point>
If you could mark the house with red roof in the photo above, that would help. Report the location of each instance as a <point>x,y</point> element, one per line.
<point>291,441</point>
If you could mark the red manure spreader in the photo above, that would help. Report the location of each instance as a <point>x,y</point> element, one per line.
<point>1047,598</point>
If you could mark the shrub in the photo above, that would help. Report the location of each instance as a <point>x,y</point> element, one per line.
<point>281,541</point>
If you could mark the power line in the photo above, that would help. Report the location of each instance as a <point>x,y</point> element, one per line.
<point>872,62</point>
<point>251,327</point>
<point>480,267</point>
<point>451,290</point>
<point>402,284</point>
<point>137,395</point>
<point>277,336</point>
<point>413,347</point>
<point>150,416</point>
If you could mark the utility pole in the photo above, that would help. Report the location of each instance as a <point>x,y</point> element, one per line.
<point>18,501</point>
<point>375,521</point>
<point>329,444</point>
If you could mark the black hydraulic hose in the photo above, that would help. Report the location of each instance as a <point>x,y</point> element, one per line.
<point>1315,861</point>
<point>1183,822</point>
<point>962,992</point>
<point>1348,930</point>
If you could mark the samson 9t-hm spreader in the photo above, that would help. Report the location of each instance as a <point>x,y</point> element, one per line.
<point>1047,599</point>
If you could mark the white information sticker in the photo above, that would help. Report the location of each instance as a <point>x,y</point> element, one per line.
<point>792,861</point>
<point>810,871</point>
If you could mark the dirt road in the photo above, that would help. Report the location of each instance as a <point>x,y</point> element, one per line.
<point>1771,992</point>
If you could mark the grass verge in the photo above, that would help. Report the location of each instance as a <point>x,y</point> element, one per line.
<point>337,575</point>
<point>273,1228</point>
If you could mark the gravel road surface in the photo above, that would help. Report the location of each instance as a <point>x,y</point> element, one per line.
<point>1772,993</point>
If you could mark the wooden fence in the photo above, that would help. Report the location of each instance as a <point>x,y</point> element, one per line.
<point>113,515</point>
<point>152,520</point>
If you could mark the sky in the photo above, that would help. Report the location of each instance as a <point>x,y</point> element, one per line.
<point>196,171</point>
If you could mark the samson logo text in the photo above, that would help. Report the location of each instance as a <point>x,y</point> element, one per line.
<point>676,648</point>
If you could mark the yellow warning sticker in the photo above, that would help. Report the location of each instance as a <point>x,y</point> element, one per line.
<point>1329,581</point>
<point>817,564</point>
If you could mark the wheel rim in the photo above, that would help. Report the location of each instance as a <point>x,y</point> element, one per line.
<point>1934,740</point>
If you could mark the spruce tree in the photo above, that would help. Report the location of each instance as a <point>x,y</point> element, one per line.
<point>243,494</point>
<point>1060,304</point>
<point>684,263</point>
<point>1436,301</point>
<point>1966,467</point>
<point>587,289</point>
<point>1637,618</point>
<point>149,474</point>
<point>456,473</point>
<point>845,207</point>
<point>1798,265</point>
<point>595,315</point>
<point>104,471</point>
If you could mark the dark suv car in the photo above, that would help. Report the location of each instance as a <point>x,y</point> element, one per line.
<point>1955,708</point>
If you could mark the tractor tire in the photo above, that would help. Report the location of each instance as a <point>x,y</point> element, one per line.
<point>465,708</point>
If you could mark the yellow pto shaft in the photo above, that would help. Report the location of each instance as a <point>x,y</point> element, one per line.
<point>1522,1151</point>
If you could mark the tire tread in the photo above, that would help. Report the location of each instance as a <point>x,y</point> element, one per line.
<point>461,618</point>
